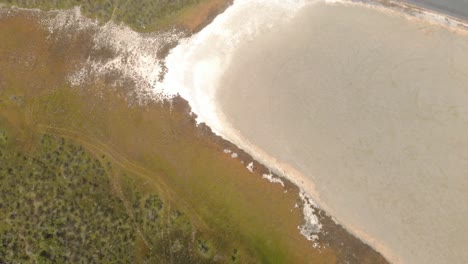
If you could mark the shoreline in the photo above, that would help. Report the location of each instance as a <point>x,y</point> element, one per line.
<point>108,121</point>
<point>306,185</point>
<point>287,171</point>
<point>208,112</point>
<point>412,11</point>
<point>427,8</point>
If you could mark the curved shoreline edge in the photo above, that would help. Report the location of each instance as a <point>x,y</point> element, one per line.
<point>334,243</point>
<point>396,8</point>
<point>412,11</point>
<point>203,102</point>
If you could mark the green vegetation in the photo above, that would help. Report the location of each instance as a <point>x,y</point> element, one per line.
<point>50,207</point>
<point>141,15</point>
<point>209,203</point>
<point>58,206</point>
<point>140,179</point>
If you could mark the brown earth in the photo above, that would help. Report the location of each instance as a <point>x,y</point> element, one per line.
<point>161,145</point>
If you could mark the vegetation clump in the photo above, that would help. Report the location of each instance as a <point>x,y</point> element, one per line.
<point>141,15</point>
<point>58,206</point>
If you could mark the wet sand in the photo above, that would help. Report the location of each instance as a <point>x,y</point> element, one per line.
<point>371,107</point>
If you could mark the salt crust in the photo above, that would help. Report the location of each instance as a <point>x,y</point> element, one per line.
<point>135,55</point>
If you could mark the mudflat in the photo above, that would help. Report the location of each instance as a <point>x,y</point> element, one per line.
<point>372,108</point>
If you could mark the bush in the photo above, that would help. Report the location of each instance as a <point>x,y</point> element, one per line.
<point>138,14</point>
<point>59,208</point>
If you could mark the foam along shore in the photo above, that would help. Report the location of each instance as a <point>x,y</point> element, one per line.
<point>239,107</point>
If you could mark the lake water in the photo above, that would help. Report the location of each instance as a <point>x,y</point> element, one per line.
<point>373,109</point>
<point>363,108</point>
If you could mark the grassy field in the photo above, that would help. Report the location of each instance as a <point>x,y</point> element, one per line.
<point>137,181</point>
<point>59,205</point>
<point>141,15</point>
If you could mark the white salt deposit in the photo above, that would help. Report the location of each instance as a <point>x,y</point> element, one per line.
<point>134,55</point>
<point>271,178</point>
<point>250,167</point>
<point>227,151</point>
<point>312,226</point>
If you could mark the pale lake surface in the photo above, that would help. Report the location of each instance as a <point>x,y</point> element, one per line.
<point>373,108</point>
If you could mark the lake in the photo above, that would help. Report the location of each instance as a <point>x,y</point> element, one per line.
<point>373,109</point>
<point>362,107</point>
